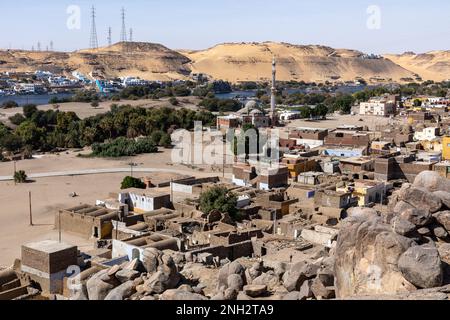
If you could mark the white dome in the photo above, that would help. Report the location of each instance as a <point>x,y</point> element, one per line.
<point>251,105</point>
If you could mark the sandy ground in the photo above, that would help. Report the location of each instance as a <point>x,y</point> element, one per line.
<point>84,110</point>
<point>51,194</point>
<point>334,121</point>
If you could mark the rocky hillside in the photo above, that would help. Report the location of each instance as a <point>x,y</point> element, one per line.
<point>233,62</point>
<point>433,65</point>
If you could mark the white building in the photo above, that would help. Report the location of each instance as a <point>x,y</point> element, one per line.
<point>427,134</point>
<point>376,107</point>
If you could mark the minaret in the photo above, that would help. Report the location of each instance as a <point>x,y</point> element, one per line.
<point>273,113</point>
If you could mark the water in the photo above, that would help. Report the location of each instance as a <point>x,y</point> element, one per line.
<point>247,94</point>
<point>37,99</point>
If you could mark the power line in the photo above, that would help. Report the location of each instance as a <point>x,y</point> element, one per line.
<point>94,39</point>
<point>123,33</point>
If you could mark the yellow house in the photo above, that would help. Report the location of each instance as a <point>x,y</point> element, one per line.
<point>446,148</point>
<point>366,191</point>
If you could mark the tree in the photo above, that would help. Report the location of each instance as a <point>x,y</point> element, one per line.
<point>220,199</point>
<point>29,110</point>
<point>165,141</point>
<point>173,101</point>
<point>20,176</point>
<point>130,182</point>
<point>10,104</point>
<point>321,110</point>
<point>17,119</point>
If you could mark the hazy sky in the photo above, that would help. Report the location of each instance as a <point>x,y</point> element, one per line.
<point>405,25</point>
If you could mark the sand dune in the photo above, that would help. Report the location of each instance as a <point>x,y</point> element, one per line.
<point>251,61</point>
<point>233,62</point>
<point>434,65</point>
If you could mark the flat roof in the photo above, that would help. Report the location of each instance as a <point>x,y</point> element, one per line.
<point>49,246</point>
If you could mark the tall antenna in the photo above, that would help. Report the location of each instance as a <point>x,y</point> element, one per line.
<point>123,34</point>
<point>109,36</point>
<point>51,45</point>
<point>131,35</point>
<point>39,46</point>
<point>94,40</point>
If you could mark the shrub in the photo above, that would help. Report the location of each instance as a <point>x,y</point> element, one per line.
<point>220,199</point>
<point>130,182</point>
<point>20,176</point>
<point>10,104</point>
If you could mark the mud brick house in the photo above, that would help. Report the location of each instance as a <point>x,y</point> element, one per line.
<point>297,165</point>
<point>348,138</point>
<point>141,201</point>
<point>134,247</point>
<point>46,263</point>
<point>355,165</point>
<point>311,137</point>
<point>396,166</point>
<point>275,177</point>
<point>277,201</point>
<point>243,174</point>
<point>87,221</point>
<point>228,122</point>
<point>334,199</point>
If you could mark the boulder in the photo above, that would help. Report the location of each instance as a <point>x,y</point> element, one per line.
<point>444,252</point>
<point>293,295</point>
<point>122,292</point>
<point>424,232</point>
<point>440,232</point>
<point>100,284</point>
<point>126,275</point>
<point>305,291</point>
<point>444,196</point>
<point>151,259</point>
<point>418,217</point>
<point>366,258</point>
<point>322,287</point>
<point>230,294</point>
<point>402,226</point>
<point>402,206</point>
<point>421,266</point>
<point>235,282</point>
<point>420,198</point>
<point>298,273</point>
<point>181,295</point>
<point>443,218</point>
<point>206,258</point>
<point>432,181</point>
<point>230,268</point>
<point>255,290</point>
<point>161,281</point>
<point>269,279</point>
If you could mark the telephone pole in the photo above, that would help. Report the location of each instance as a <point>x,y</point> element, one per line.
<point>31,212</point>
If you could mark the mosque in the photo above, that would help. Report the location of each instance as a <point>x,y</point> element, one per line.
<point>252,113</point>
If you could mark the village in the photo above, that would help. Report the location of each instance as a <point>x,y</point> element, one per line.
<point>274,231</point>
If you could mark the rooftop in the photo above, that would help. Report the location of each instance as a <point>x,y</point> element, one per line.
<point>49,246</point>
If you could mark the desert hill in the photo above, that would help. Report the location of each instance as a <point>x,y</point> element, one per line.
<point>146,60</point>
<point>233,62</point>
<point>434,65</point>
<point>251,61</point>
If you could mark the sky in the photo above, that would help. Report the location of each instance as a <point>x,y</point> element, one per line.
<point>371,26</point>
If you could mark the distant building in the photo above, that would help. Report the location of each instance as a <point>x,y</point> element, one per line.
<point>446,148</point>
<point>381,106</point>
